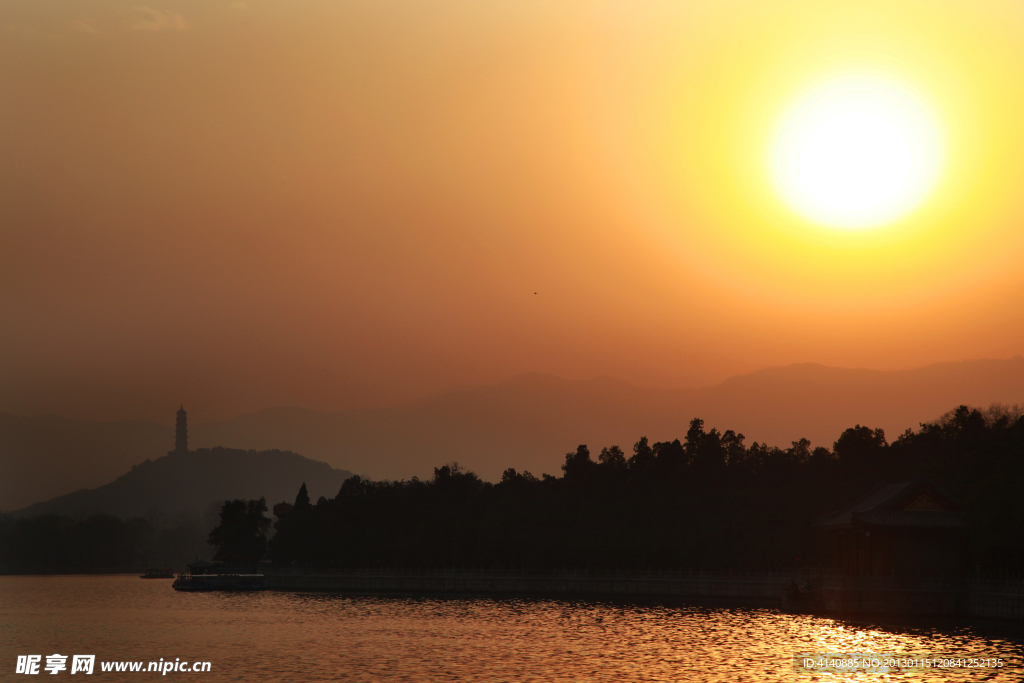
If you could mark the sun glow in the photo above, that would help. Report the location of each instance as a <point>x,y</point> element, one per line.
<point>856,153</point>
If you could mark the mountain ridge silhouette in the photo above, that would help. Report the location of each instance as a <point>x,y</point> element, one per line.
<point>528,422</point>
<point>195,483</point>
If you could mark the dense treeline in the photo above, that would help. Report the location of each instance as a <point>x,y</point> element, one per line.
<point>708,500</point>
<point>53,544</point>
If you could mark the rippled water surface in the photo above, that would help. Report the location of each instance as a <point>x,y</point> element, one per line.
<point>277,636</point>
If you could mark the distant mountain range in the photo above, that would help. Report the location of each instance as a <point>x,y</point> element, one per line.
<point>527,422</point>
<point>193,482</point>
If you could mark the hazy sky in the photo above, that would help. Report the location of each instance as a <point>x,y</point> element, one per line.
<point>239,204</point>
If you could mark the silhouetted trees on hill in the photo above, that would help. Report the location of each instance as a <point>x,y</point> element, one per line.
<point>708,500</point>
<point>241,535</point>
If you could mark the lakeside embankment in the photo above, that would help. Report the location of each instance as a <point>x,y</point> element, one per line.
<point>796,590</point>
<point>754,589</point>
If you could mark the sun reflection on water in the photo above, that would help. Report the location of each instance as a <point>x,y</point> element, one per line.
<point>281,637</point>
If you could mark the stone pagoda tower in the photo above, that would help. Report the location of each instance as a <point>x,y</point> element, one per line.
<point>181,432</point>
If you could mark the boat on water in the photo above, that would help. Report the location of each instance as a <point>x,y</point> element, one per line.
<point>216,576</point>
<point>219,582</point>
<point>153,573</point>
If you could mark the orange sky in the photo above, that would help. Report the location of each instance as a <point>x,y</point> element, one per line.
<point>238,204</point>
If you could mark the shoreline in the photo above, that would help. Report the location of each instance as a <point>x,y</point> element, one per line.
<point>800,591</point>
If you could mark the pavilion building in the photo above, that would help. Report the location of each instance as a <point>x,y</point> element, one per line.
<point>902,548</point>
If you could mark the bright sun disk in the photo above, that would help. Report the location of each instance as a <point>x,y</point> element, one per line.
<point>856,153</point>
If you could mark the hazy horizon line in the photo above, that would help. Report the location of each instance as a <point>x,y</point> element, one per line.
<point>426,397</point>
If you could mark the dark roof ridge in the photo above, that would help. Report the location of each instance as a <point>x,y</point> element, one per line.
<point>886,496</point>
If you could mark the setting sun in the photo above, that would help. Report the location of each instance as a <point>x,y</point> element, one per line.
<point>855,153</point>
<point>676,340</point>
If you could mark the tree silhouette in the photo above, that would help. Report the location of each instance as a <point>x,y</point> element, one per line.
<point>302,498</point>
<point>643,456</point>
<point>578,465</point>
<point>612,458</point>
<point>241,535</point>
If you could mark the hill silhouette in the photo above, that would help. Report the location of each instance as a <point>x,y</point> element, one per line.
<point>190,483</point>
<point>526,422</point>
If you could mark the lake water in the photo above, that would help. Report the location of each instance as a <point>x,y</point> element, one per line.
<point>281,636</point>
